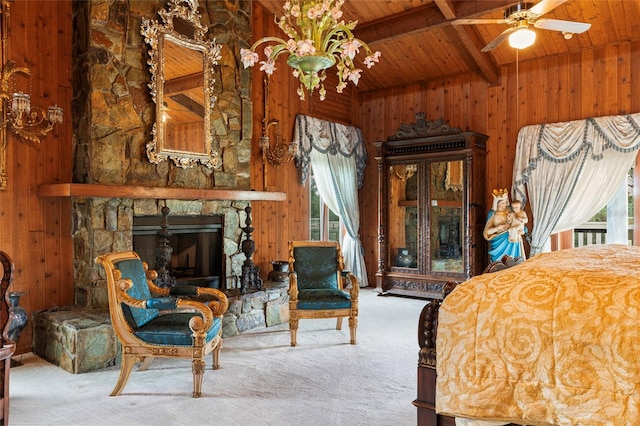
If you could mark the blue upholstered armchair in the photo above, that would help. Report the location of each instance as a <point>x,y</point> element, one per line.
<point>319,287</point>
<point>179,322</point>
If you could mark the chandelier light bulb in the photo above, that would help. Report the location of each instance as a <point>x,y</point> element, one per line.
<point>54,114</point>
<point>522,38</point>
<point>20,103</point>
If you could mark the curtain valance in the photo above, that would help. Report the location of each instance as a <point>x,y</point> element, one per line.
<point>572,169</point>
<point>562,142</point>
<point>328,138</point>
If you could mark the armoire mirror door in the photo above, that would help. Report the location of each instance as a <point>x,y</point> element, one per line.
<point>403,208</point>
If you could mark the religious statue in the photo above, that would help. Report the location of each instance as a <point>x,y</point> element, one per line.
<point>500,219</point>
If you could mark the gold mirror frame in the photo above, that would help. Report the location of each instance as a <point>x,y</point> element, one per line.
<point>161,37</point>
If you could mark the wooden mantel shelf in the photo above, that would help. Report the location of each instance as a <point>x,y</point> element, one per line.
<point>129,191</point>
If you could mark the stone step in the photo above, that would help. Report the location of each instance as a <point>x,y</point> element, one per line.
<point>76,339</point>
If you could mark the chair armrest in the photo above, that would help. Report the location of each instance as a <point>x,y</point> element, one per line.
<point>155,290</point>
<point>165,303</point>
<point>219,306</point>
<point>293,286</point>
<point>151,274</point>
<point>198,324</point>
<point>353,281</point>
<point>184,290</point>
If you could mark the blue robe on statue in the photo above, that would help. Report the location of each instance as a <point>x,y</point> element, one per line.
<point>500,244</point>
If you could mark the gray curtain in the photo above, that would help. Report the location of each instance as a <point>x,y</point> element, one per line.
<point>337,155</point>
<point>571,170</point>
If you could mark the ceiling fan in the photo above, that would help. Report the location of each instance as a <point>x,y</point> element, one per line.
<point>520,16</point>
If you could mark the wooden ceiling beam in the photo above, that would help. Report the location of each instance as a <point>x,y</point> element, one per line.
<point>424,18</point>
<point>400,25</point>
<point>184,83</point>
<point>472,9</point>
<point>467,37</point>
<point>447,8</point>
<point>478,60</point>
<point>189,104</point>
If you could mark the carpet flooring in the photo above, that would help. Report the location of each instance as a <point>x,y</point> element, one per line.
<point>262,380</point>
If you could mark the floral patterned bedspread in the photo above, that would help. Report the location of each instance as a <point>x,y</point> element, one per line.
<point>554,340</point>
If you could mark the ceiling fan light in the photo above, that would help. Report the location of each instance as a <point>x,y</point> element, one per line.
<point>522,38</point>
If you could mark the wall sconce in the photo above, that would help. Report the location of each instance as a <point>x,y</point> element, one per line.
<point>280,153</point>
<point>16,112</point>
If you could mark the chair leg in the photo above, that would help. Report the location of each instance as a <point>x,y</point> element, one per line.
<point>339,324</point>
<point>146,362</point>
<point>128,362</point>
<point>293,327</point>
<point>353,324</point>
<point>197,366</point>
<point>215,354</point>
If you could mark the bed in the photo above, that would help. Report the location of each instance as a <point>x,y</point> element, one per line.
<point>553,340</point>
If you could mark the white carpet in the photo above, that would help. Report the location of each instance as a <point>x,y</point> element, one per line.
<point>262,380</point>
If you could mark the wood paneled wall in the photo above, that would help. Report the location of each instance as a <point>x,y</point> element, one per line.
<point>34,231</point>
<point>591,83</point>
<point>37,232</point>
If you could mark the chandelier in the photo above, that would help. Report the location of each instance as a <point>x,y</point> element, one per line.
<point>317,40</point>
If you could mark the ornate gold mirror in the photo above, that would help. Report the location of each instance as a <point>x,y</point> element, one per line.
<point>181,63</point>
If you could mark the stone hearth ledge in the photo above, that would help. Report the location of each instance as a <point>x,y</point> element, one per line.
<point>133,191</point>
<point>80,340</point>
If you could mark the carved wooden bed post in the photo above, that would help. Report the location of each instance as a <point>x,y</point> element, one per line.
<point>427,332</point>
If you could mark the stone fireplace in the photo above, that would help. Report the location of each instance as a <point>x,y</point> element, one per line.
<point>113,117</point>
<point>116,186</point>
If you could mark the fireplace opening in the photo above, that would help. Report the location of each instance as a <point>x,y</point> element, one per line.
<point>197,242</point>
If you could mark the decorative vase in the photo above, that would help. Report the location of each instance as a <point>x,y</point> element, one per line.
<point>280,272</point>
<point>17,315</point>
<point>405,259</point>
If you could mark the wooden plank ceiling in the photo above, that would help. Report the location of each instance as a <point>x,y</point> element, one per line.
<point>418,42</point>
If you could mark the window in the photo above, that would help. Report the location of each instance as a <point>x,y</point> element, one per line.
<point>324,224</point>
<point>594,231</point>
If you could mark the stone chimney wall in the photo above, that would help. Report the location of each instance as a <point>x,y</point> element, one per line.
<point>113,114</point>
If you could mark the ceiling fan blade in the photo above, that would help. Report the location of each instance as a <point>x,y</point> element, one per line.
<point>498,40</point>
<point>472,21</point>
<point>545,6</point>
<point>564,26</point>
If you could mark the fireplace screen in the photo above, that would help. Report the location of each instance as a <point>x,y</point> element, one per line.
<point>197,257</point>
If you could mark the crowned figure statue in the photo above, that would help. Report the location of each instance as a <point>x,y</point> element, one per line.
<point>499,220</point>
